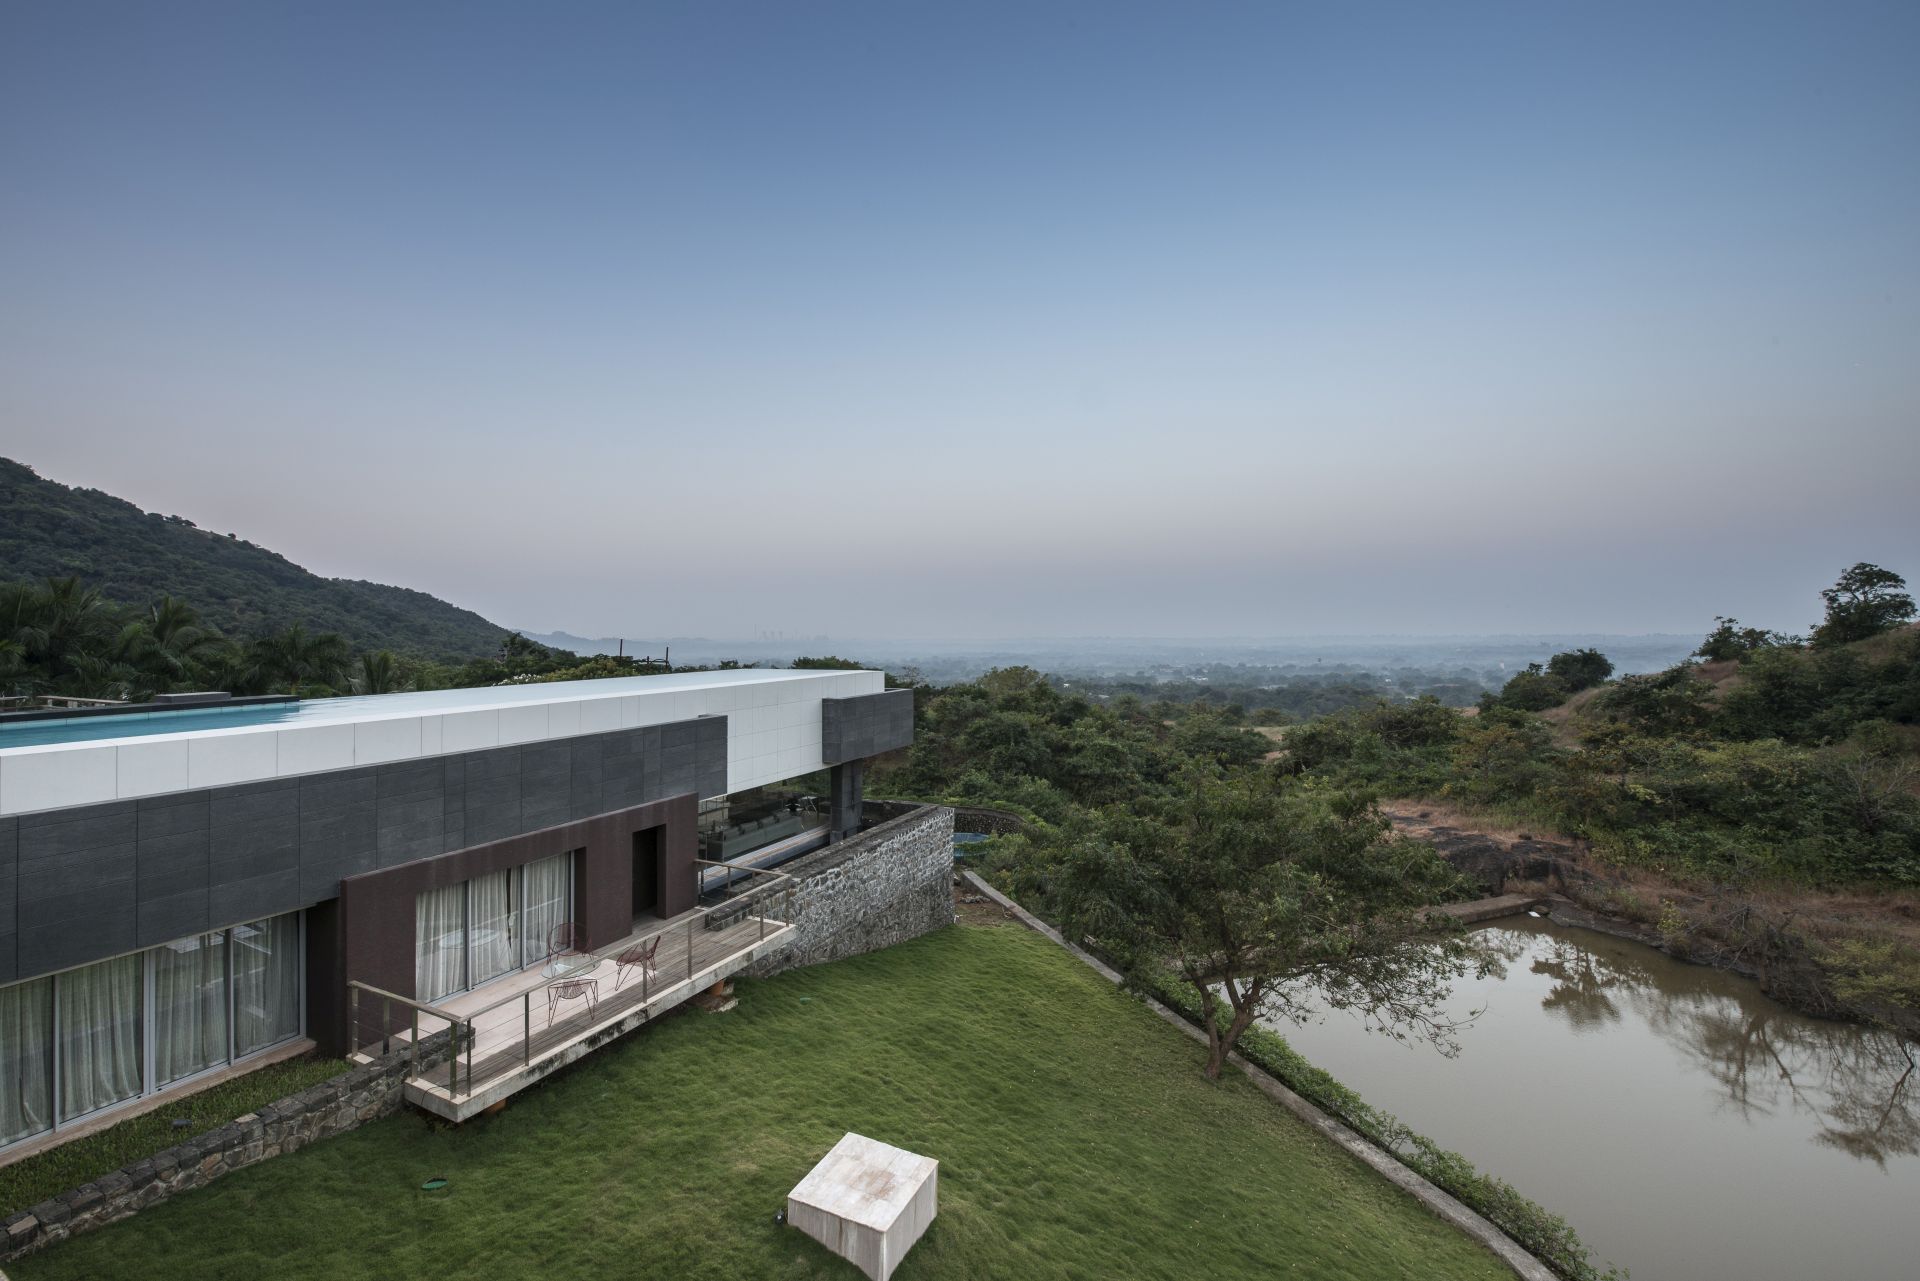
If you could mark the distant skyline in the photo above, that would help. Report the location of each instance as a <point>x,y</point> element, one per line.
<point>1039,321</point>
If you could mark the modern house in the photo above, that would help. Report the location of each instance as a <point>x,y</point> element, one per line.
<point>186,890</point>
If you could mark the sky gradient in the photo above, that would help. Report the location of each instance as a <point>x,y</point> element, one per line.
<point>1240,319</point>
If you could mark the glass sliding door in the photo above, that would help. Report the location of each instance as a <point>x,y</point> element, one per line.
<point>26,1059</point>
<point>266,982</point>
<point>440,942</point>
<point>189,1006</point>
<point>82,1040</point>
<point>99,1008</point>
<point>548,903</point>
<point>493,942</point>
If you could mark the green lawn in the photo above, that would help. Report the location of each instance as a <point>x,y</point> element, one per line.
<point>1075,1134</point>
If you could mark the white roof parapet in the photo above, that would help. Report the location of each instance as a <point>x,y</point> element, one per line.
<point>773,732</point>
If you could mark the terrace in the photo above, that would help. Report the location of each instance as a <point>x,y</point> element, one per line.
<point>511,1033</point>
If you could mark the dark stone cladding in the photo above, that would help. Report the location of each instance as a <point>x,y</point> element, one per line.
<point>93,881</point>
<point>865,725</point>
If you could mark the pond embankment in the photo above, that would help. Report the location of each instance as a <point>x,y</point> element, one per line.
<point>1776,938</point>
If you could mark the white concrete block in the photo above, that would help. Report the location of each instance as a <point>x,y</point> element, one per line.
<point>148,769</point>
<point>53,778</point>
<point>599,715</point>
<point>313,748</point>
<point>563,719</point>
<point>398,739</point>
<point>469,731</point>
<point>235,756</point>
<point>523,724</point>
<point>430,736</point>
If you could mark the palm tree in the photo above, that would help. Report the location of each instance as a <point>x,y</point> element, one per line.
<point>295,657</point>
<point>53,629</point>
<point>380,673</point>
<point>169,648</point>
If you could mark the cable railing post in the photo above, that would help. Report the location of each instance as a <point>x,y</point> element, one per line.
<point>386,1026</point>
<point>413,1046</point>
<point>689,949</point>
<point>526,1027</point>
<point>453,1057</point>
<point>472,1036</point>
<point>353,1018</point>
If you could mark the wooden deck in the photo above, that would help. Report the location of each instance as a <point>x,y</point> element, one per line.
<point>515,1044</point>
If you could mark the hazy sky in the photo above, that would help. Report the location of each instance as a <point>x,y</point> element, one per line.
<point>911,319</point>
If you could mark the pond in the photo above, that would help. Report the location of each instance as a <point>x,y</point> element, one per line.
<point>1690,1128</point>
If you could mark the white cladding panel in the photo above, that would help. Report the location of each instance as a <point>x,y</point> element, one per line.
<point>773,733</point>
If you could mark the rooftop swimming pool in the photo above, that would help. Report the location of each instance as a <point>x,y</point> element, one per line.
<point>330,711</point>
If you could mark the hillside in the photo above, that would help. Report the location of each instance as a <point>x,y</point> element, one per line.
<point>52,530</point>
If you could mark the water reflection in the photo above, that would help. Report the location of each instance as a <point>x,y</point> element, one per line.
<point>1688,1127</point>
<point>1857,1085</point>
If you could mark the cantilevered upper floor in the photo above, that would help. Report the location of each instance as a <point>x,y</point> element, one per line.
<point>779,724</point>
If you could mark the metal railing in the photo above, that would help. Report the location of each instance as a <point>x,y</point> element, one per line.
<point>465,1035</point>
<point>780,881</point>
<point>387,999</point>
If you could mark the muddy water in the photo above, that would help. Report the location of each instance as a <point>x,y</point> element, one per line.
<point>1688,1127</point>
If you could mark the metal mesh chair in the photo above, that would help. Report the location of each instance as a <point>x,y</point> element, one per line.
<point>572,990</point>
<point>641,955</point>
<point>564,940</point>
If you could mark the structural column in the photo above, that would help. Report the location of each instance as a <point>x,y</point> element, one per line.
<point>846,787</point>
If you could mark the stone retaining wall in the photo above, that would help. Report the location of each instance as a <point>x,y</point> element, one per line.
<point>891,883</point>
<point>334,1106</point>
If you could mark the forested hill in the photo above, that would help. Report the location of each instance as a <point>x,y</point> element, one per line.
<point>52,530</point>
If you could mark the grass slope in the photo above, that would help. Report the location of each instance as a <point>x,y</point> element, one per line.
<point>1076,1136</point>
<point>50,530</point>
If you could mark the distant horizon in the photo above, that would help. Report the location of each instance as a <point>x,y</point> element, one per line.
<point>1311,637</point>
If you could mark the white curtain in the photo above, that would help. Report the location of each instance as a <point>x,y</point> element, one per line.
<point>266,982</point>
<point>26,1059</point>
<point>100,1035</point>
<point>189,1006</point>
<point>493,940</point>
<point>549,902</point>
<point>440,942</point>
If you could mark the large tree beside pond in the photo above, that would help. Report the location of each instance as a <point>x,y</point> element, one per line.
<point>1281,898</point>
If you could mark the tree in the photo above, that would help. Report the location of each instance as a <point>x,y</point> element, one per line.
<point>1580,669</point>
<point>1533,690</point>
<point>1278,896</point>
<point>293,657</point>
<point>1866,601</point>
<point>380,673</point>
<point>168,647</point>
<point>1672,702</point>
<point>1729,640</point>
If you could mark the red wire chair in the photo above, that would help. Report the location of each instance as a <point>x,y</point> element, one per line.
<point>640,955</point>
<point>564,940</point>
